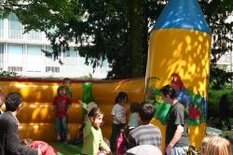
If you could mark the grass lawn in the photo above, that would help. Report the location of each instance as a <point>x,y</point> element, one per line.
<point>66,149</point>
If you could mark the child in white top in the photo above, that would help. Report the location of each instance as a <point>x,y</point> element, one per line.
<point>119,112</point>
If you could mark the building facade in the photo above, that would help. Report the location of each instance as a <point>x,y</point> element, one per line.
<point>21,53</point>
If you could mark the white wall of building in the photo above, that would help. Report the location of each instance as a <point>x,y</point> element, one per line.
<point>21,53</point>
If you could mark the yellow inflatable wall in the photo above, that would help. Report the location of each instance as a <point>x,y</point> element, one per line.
<point>179,54</point>
<point>37,115</point>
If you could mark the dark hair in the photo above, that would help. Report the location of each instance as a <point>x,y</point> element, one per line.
<point>59,89</point>
<point>66,79</point>
<point>134,107</point>
<point>169,90</point>
<point>121,96</point>
<point>95,112</point>
<point>146,111</point>
<point>13,100</point>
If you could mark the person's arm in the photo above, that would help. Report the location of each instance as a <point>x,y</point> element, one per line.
<point>131,141</point>
<point>13,142</point>
<point>87,128</point>
<point>177,135</point>
<point>175,139</point>
<point>68,104</point>
<point>103,145</point>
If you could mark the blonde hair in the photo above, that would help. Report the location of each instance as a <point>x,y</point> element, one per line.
<point>205,140</point>
<point>217,145</point>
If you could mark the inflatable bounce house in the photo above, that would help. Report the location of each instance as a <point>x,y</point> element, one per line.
<point>37,116</point>
<point>179,54</point>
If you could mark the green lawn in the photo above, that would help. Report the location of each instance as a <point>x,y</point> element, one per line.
<point>66,149</point>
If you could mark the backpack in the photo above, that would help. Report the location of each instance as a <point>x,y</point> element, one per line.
<point>121,143</point>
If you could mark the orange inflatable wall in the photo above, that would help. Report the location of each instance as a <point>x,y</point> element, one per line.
<point>37,115</point>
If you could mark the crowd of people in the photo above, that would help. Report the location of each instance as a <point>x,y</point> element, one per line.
<point>128,137</point>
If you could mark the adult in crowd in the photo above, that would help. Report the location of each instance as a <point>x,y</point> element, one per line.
<point>177,140</point>
<point>10,143</point>
<point>2,96</point>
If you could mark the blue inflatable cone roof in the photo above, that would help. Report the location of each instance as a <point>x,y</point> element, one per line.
<point>182,14</point>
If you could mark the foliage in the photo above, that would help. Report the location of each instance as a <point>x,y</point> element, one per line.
<point>217,12</point>
<point>101,29</point>
<point>213,101</point>
<point>7,74</point>
<point>116,30</point>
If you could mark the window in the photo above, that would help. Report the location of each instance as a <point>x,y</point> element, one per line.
<point>1,55</point>
<point>1,28</point>
<point>34,62</point>
<point>15,69</point>
<point>15,57</point>
<point>52,69</point>
<point>15,27</point>
<point>33,35</point>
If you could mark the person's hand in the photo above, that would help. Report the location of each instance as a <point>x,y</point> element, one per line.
<point>168,149</point>
<point>39,150</point>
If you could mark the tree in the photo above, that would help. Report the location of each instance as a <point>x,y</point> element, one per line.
<point>110,30</point>
<point>217,12</point>
<point>116,30</point>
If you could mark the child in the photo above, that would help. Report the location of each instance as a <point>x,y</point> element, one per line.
<point>93,142</point>
<point>119,113</point>
<point>204,143</point>
<point>67,84</point>
<point>145,133</point>
<point>134,117</point>
<point>45,148</point>
<point>2,96</point>
<point>80,132</point>
<point>121,142</point>
<point>62,105</point>
<point>217,145</point>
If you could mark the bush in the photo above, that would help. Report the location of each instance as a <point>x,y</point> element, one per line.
<point>213,101</point>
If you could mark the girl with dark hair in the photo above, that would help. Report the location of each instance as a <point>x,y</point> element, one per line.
<point>119,112</point>
<point>93,142</point>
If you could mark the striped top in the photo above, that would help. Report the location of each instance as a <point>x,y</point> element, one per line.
<point>147,134</point>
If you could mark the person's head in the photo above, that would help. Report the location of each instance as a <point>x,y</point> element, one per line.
<point>134,107</point>
<point>13,101</point>
<point>96,117</point>
<point>121,98</point>
<point>217,145</point>
<point>168,93</point>
<point>61,91</point>
<point>204,142</point>
<point>146,111</point>
<point>67,82</point>
<point>2,97</point>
